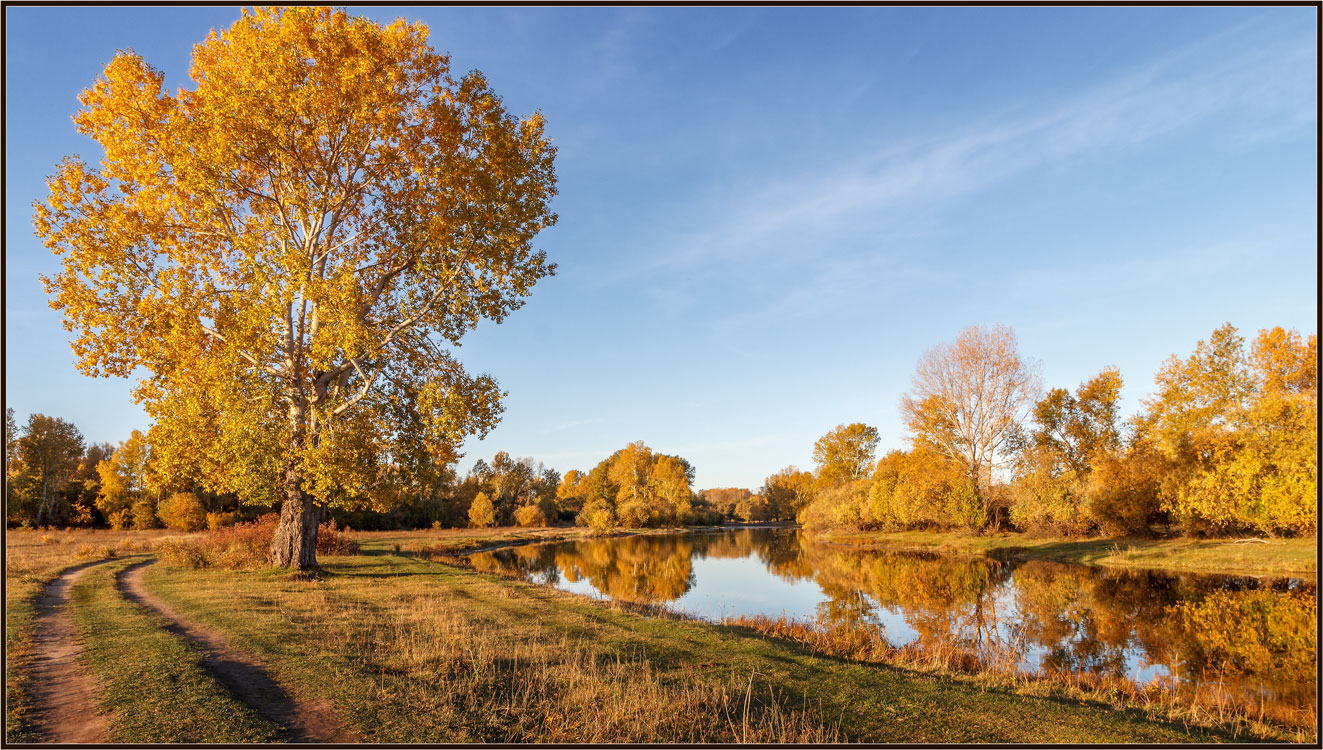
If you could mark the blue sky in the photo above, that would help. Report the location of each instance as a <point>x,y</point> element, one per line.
<point>767,215</point>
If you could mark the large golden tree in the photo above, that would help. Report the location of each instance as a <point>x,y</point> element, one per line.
<point>289,248</point>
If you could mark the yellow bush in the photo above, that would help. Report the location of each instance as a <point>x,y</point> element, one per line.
<point>119,519</point>
<point>530,515</point>
<point>600,519</point>
<point>182,512</point>
<point>221,520</point>
<point>144,514</point>
<point>181,553</point>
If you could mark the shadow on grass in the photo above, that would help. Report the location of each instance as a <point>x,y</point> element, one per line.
<point>243,677</point>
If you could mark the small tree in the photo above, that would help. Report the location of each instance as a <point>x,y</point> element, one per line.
<point>123,476</point>
<point>530,515</point>
<point>845,454</point>
<point>48,453</point>
<point>482,513</point>
<point>143,512</point>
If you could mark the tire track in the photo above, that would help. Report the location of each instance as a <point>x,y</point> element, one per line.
<point>64,696</point>
<point>241,671</point>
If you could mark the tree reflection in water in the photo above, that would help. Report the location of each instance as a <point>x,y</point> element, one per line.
<point>1250,636</point>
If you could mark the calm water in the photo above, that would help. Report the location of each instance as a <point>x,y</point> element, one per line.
<point>1255,637</point>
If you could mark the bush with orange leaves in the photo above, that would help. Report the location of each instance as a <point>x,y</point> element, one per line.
<point>243,546</point>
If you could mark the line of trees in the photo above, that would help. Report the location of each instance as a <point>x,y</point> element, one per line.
<point>635,487</point>
<point>52,478</point>
<point>1226,444</point>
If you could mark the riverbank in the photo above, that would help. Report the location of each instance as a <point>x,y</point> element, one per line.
<point>1249,556</point>
<point>441,543</point>
<point>447,654</point>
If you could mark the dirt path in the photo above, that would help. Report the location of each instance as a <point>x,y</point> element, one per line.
<point>64,696</point>
<point>242,672</point>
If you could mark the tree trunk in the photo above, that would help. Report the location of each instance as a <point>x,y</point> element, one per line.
<point>294,544</point>
<point>41,509</point>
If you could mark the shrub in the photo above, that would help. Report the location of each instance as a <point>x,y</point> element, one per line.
<point>181,553</point>
<point>836,507</point>
<point>599,519</point>
<point>1125,490</point>
<point>966,508</point>
<point>481,513</point>
<point>182,512</point>
<point>88,552</point>
<point>119,519</point>
<point>221,520</point>
<point>144,514</point>
<point>530,515</point>
<point>1045,499</point>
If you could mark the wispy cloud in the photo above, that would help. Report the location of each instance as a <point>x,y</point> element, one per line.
<point>778,220</point>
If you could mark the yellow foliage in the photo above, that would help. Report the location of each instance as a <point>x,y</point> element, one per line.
<point>530,515</point>
<point>119,519</point>
<point>221,520</point>
<point>1241,432</point>
<point>634,487</point>
<point>481,512</point>
<point>143,511</point>
<point>183,512</point>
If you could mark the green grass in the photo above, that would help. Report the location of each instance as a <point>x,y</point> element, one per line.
<point>19,630</point>
<point>1273,557</point>
<point>34,558</point>
<point>153,684</point>
<point>412,651</point>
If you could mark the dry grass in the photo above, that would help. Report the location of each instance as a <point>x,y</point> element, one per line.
<point>411,663</point>
<point>243,546</point>
<point>503,689</point>
<point>1211,705</point>
<point>411,651</point>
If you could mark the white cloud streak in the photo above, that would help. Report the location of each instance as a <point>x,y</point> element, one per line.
<point>1262,83</point>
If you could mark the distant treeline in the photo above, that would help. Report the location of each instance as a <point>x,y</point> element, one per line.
<point>53,479</point>
<point>1226,444</point>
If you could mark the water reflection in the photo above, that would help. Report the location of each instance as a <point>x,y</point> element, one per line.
<point>1188,630</point>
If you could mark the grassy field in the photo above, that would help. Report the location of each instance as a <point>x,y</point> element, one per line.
<point>413,651</point>
<point>1272,557</point>
<point>154,686</point>
<point>410,650</point>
